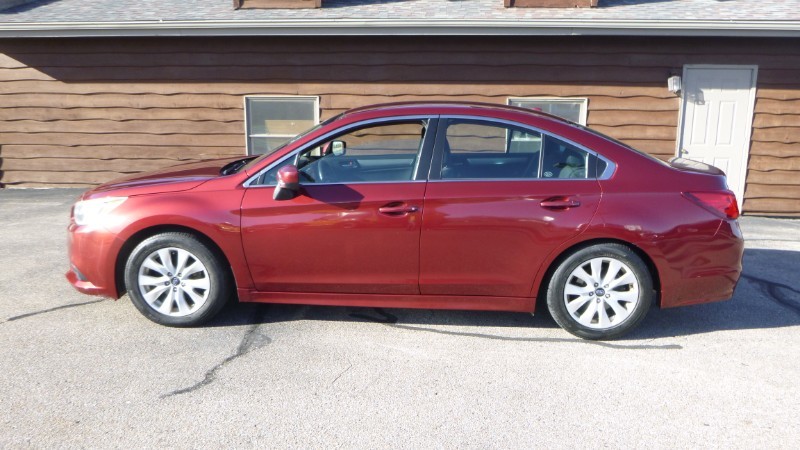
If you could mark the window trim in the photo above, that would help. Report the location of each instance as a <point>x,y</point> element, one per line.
<point>248,135</point>
<point>423,162</point>
<point>584,112</point>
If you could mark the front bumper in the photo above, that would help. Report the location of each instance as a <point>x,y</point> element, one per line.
<point>93,258</point>
<point>81,285</point>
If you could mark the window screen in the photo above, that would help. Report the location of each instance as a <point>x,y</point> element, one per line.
<point>271,121</point>
<point>572,109</point>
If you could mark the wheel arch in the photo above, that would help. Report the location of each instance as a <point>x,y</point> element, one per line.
<point>541,293</point>
<point>135,239</point>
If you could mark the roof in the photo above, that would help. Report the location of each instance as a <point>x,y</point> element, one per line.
<point>450,107</point>
<point>453,17</point>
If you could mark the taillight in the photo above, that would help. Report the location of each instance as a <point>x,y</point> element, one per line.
<point>723,203</point>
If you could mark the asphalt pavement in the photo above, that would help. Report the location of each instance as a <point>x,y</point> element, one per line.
<point>79,371</point>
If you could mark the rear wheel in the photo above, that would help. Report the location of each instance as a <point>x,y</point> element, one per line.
<point>174,279</point>
<point>600,292</point>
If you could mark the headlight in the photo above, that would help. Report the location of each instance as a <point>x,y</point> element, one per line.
<point>90,211</point>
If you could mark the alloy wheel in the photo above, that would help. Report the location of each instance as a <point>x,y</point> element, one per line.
<point>601,293</point>
<point>173,282</point>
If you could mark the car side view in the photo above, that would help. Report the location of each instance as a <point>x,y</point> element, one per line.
<point>418,205</point>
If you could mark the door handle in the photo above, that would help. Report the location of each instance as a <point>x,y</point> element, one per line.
<point>397,209</point>
<point>560,203</point>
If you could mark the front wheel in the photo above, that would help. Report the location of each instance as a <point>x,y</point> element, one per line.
<point>174,279</point>
<point>600,292</point>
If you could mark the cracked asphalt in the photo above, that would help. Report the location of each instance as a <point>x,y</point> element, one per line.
<point>77,371</point>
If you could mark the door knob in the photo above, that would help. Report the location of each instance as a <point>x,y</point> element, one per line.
<point>397,209</point>
<point>560,203</point>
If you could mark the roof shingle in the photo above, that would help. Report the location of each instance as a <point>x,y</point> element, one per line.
<point>399,10</point>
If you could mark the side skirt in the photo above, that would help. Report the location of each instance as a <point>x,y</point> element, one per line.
<point>515,304</point>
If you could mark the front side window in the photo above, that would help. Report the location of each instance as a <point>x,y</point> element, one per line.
<point>374,153</point>
<point>572,109</point>
<point>272,121</point>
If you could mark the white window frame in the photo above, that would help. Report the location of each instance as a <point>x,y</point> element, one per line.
<point>584,101</point>
<point>248,135</point>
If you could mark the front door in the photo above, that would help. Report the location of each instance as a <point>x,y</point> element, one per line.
<point>355,226</point>
<point>717,119</point>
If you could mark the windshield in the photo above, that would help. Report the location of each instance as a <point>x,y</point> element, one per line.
<point>294,139</point>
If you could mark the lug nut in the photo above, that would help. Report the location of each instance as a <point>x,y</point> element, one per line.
<point>595,285</point>
<point>608,295</point>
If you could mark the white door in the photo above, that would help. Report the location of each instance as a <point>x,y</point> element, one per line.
<point>717,118</point>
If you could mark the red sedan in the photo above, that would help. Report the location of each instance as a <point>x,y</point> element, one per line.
<point>418,205</point>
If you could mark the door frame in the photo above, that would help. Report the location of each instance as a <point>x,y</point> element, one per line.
<point>745,158</point>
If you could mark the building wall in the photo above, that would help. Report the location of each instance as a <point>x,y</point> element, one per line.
<point>77,112</point>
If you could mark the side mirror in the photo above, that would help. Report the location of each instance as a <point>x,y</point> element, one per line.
<point>338,148</point>
<point>288,183</point>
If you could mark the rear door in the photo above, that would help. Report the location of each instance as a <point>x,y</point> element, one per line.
<point>501,198</point>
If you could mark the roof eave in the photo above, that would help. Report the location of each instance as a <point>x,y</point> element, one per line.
<point>356,27</point>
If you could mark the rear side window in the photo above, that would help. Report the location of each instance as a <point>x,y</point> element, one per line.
<point>483,150</point>
<point>561,160</point>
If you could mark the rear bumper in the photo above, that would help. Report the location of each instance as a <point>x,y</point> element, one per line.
<point>701,271</point>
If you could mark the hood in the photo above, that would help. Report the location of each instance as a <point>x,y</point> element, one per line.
<point>170,179</point>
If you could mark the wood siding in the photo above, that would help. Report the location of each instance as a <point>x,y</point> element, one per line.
<point>79,112</point>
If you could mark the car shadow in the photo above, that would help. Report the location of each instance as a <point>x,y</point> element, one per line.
<point>761,301</point>
<point>767,296</point>
<point>254,313</point>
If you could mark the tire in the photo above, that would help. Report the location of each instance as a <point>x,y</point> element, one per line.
<point>600,292</point>
<point>162,290</point>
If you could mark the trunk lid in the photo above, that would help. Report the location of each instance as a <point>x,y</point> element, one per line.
<point>688,165</point>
